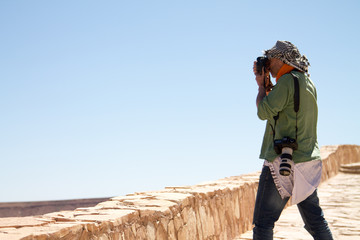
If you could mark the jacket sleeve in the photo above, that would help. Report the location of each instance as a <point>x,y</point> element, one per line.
<point>276,100</point>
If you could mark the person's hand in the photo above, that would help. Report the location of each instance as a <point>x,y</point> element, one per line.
<point>259,77</point>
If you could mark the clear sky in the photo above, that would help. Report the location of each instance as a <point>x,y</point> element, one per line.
<point>106,98</point>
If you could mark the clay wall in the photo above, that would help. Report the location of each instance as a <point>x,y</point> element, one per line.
<point>220,209</point>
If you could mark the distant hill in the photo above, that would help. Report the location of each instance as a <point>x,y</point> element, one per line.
<point>22,209</point>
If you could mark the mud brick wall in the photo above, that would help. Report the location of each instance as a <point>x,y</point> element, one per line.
<point>219,209</point>
<point>335,156</point>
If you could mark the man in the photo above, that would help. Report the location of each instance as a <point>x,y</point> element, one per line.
<point>302,174</point>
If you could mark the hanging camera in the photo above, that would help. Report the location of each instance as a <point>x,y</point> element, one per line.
<point>285,147</point>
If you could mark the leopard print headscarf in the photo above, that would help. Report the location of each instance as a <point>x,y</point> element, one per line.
<point>289,54</point>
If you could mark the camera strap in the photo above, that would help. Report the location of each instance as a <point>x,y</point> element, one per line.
<point>296,105</point>
<point>296,99</point>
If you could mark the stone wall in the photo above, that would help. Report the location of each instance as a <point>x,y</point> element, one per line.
<point>214,210</point>
<point>335,156</point>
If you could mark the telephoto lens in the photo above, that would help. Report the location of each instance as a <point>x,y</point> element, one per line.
<point>286,158</point>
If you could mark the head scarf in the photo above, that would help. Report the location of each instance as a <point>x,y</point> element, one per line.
<point>289,54</point>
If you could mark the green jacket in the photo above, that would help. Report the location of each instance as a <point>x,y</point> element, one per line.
<point>281,100</point>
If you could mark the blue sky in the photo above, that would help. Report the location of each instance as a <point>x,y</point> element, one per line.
<point>106,98</point>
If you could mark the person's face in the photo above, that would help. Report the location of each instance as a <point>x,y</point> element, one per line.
<point>275,65</point>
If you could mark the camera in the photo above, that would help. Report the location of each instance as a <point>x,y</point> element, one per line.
<point>285,147</point>
<point>262,63</point>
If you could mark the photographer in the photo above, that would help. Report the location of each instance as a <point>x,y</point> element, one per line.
<point>292,166</point>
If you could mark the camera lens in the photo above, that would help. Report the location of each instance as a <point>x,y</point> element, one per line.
<point>285,166</point>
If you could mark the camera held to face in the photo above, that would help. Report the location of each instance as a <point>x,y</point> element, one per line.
<point>285,147</point>
<point>262,63</point>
